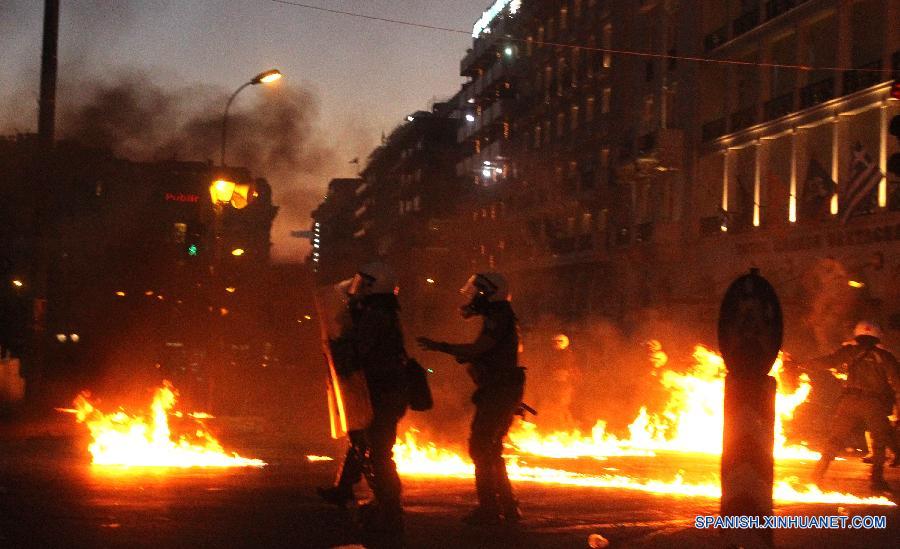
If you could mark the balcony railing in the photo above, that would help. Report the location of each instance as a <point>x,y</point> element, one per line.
<point>774,8</point>
<point>779,106</point>
<point>862,79</point>
<point>713,129</point>
<point>743,118</point>
<point>817,92</point>
<point>745,22</point>
<point>715,39</point>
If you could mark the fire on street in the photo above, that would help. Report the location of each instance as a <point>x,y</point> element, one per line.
<point>50,496</point>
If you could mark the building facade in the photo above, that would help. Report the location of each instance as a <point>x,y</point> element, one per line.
<point>618,157</point>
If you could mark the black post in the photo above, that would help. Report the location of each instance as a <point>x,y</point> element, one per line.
<point>750,334</point>
<point>47,109</point>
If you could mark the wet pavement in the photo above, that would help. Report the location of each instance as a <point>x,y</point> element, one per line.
<point>51,497</point>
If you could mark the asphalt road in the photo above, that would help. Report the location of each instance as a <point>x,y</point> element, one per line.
<point>51,497</point>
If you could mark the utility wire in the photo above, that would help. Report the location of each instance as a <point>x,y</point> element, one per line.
<point>633,53</point>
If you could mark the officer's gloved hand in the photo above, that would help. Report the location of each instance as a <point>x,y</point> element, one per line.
<point>428,344</point>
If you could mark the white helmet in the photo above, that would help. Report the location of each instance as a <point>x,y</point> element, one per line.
<point>492,286</point>
<point>374,278</point>
<point>867,328</point>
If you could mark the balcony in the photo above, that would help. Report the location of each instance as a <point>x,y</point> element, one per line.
<point>817,92</point>
<point>860,80</point>
<point>743,118</point>
<point>779,106</point>
<point>713,129</point>
<point>715,39</point>
<point>745,22</point>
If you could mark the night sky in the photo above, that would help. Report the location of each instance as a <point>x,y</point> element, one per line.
<point>364,75</point>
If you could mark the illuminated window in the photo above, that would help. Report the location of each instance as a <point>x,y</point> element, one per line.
<point>607,45</point>
<point>573,118</point>
<point>529,45</point>
<point>605,100</point>
<point>537,136</point>
<point>506,130</point>
<point>589,109</point>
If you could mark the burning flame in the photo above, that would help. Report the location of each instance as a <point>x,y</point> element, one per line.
<point>693,411</point>
<point>691,422</point>
<point>141,441</point>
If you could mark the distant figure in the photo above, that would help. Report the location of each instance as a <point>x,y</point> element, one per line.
<point>500,382</point>
<point>871,391</point>
<point>373,342</point>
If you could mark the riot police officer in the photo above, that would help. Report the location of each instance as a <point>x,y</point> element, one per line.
<point>493,365</point>
<point>374,343</point>
<point>871,390</point>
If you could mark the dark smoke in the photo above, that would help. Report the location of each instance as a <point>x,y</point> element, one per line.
<point>271,131</point>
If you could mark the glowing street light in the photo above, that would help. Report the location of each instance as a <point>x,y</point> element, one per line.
<point>17,283</point>
<point>237,252</point>
<point>266,77</point>
<point>221,191</point>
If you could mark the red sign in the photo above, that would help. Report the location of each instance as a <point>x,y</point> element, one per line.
<point>182,197</point>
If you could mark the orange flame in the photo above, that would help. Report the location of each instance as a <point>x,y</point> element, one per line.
<point>691,422</point>
<point>140,441</point>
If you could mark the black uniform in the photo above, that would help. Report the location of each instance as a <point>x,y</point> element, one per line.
<point>871,390</point>
<point>374,343</point>
<point>493,366</point>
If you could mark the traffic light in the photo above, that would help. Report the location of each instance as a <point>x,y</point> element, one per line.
<point>192,250</point>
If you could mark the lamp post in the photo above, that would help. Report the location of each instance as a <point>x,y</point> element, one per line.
<point>261,78</point>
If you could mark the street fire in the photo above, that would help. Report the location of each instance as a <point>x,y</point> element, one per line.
<point>147,440</point>
<point>691,422</point>
<point>693,411</point>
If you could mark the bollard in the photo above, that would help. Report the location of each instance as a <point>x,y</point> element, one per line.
<point>750,334</point>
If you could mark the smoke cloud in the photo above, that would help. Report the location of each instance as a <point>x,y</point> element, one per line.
<point>273,134</point>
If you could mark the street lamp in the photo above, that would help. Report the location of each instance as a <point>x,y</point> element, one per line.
<point>261,78</point>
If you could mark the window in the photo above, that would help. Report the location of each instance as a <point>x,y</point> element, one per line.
<point>529,45</point>
<point>563,18</point>
<point>417,203</point>
<point>605,100</point>
<point>560,124</point>
<point>586,219</point>
<point>573,118</point>
<point>589,109</point>
<point>537,136</point>
<point>179,231</point>
<point>607,45</point>
<point>575,67</point>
